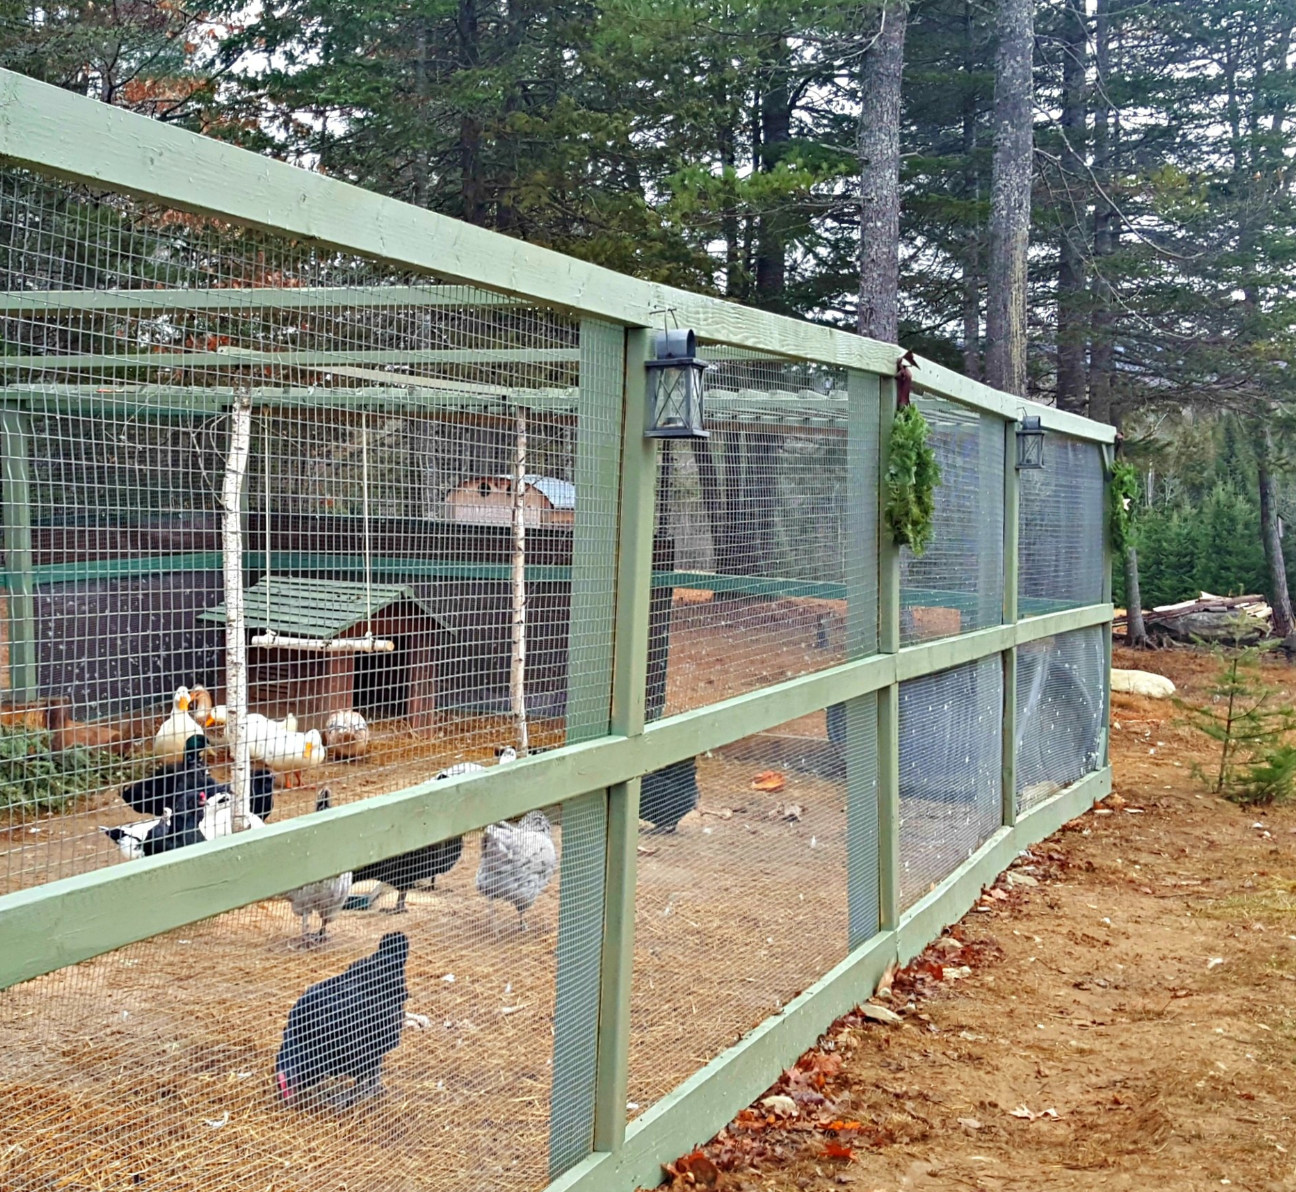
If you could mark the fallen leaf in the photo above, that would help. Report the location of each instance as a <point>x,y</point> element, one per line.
<point>693,1170</point>
<point>770,781</point>
<point>717,812</point>
<point>1022,1112</point>
<point>791,812</point>
<point>780,1104</point>
<point>646,852</point>
<point>880,1014</point>
<point>957,974</point>
<point>1016,878</point>
<point>997,894</point>
<point>1213,961</point>
<point>969,1123</point>
<point>837,1150</point>
<point>884,985</point>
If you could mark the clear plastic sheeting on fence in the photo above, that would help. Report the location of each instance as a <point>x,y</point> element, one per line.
<point>754,551</point>
<point>1061,713</point>
<point>956,585</point>
<point>745,901</point>
<point>228,1055</point>
<point>428,517</point>
<point>1061,528</point>
<point>951,754</point>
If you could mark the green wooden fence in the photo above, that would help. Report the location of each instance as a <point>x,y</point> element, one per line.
<point>597,773</point>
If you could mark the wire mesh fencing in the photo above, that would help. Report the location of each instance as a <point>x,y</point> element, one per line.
<point>243,1053</point>
<point>427,517</point>
<point>400,499</point>
<point>751,896</point>
<point>1061,713</point>
<point>950,771</point>
<point>956,585</point>
<point>1061,528</point>
<point>755,537</point>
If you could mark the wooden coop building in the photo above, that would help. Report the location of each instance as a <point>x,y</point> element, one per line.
<point>488,500</point>
<point>318,646</point>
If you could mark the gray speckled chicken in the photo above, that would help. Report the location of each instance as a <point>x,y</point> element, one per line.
<point>517,862</point>
<point>323,898</point>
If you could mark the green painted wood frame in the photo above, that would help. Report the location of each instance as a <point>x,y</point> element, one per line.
<point>596,774</point>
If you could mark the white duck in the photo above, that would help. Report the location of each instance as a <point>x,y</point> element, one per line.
<point>258,727</point>
<point>288,752</point>
<point>346,735</point>
<point>169,743</point>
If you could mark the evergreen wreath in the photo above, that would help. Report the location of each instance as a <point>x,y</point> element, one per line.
<point>911,480</point>
<point>1122,495</point>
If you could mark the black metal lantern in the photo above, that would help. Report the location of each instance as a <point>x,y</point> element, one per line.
<point>675,388</point>
<point>1030,444</point>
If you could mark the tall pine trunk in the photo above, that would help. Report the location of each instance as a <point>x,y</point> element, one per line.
<point>1010,195</point>
<point>971,263</point>
<point>1101,351</point>
<point>1071,315</point>
<point>1135,630</point>
<point>1279,598</point>
<point>775,133</point>
<point>879,160</point>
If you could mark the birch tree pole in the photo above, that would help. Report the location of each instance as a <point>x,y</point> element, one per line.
<point>1010,195</point>
<point>236,678</point>
<point>517,667</point>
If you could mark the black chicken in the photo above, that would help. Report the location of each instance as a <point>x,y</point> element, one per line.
<point>346,1025</point>
<point>174,783</point>
<point>262,802</point>
<point>405,871</point>
<point>667,795</point>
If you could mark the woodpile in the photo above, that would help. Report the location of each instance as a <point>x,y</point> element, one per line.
<point>1231,620</point>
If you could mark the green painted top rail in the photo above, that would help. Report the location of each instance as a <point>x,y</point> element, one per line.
<point>71,137</point>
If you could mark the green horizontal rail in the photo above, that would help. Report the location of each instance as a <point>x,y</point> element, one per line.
<point>79,139</point>
<point>64,922</point>
<point>237,301</point>
<point>293,358</point>
<point>772,587</point>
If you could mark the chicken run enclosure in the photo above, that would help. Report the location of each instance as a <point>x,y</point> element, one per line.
<point>660,746</point>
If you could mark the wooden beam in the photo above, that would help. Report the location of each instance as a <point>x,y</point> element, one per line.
<point>19,570</point>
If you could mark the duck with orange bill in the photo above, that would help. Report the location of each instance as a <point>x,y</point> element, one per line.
<point>179,727</point>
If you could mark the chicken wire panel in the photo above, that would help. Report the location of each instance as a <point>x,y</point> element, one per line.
<point>742,892</point>
<point>956,585</point>
<point>225,1055</point>
<point>1060,528</point>
<point>407,599</point>
<point>1061,712</point>
<point>751,554</point>
<point>951,751</point>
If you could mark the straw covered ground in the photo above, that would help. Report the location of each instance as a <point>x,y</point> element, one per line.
<point>152,1066</point>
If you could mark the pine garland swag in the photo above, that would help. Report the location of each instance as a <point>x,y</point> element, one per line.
<point>1122,494</point>
<point>911,480</point>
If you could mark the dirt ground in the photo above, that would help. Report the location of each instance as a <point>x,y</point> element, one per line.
<point>1120,1013</point>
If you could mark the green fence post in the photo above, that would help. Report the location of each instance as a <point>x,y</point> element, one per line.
<point>1011,493</point>
<point>860,714</point>
<point>629,684</point>
<point>888,698</point>
<point>582,881</point>
<point>1108,561</point>
<point>15,433</point>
